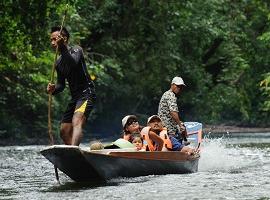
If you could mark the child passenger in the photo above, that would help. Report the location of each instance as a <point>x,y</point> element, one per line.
<point>137,141</point>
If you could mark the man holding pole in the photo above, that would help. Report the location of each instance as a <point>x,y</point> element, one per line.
<point>71,66</point>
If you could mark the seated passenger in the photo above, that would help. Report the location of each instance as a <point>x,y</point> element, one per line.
<point>157,127</point>
<point>151,138</point>
<point>130,126</point>
<point>137,141</point>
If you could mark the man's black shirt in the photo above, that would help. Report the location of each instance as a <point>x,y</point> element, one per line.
<point>71,66</point>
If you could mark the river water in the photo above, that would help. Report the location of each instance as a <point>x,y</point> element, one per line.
<point>233,166</point>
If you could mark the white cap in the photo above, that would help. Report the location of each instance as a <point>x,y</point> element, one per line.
<point>153,117</point>
<point>178,81</point>
<point>126,118</point>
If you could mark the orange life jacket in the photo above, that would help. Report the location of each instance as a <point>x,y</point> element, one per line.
<point>167,142</point>
<point>147,142</point>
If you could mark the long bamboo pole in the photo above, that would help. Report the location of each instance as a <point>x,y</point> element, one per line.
<point>50,96</point>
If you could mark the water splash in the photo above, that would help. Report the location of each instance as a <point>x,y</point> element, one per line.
<point>219,155</point>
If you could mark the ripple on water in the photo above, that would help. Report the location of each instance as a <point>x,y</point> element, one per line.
<point>225,172</point>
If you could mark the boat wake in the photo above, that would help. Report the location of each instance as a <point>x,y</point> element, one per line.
<point>220,155</point>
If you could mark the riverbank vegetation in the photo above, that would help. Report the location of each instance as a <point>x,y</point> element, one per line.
<point>133,50</point>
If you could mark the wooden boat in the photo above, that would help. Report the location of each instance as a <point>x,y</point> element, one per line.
<point>83,165</point>
<point>100,165</point>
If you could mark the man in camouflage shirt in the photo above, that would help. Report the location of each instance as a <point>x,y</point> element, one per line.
<point>168,112</point>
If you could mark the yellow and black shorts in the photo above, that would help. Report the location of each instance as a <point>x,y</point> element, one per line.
<point>84,104</point>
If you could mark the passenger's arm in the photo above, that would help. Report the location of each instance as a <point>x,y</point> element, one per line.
<point>158,140</point>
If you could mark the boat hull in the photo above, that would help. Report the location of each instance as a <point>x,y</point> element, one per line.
<point>82,165</point>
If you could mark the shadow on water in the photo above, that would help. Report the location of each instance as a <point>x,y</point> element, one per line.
<point>75,186</point>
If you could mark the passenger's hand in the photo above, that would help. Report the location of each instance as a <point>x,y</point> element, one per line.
<point>50,88</point>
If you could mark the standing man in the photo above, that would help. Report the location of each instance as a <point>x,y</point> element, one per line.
<point>168,112</point>
<point>71,66</point>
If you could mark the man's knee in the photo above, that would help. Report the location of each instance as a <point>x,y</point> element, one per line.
<point>78,120</point>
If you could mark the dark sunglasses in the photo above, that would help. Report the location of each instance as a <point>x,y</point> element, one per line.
<point>132,122</point>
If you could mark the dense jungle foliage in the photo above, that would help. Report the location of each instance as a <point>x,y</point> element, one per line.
<point>133,49</point>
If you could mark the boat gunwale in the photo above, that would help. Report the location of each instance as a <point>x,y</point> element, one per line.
<point>132,154</point>
<point>146,155</point>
